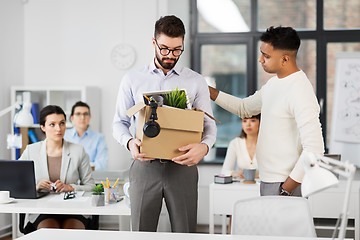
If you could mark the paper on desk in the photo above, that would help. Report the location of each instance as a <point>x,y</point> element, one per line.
<point>79,197</point>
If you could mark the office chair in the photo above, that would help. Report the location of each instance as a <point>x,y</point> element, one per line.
<point>273,216</point>
<point>93,224</point>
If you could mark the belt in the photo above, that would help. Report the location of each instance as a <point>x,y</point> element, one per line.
<point>162,160</point>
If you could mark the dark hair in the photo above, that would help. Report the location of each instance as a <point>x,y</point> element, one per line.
<point>171,26</point>
<point>284,38</point>
<point>79,104</point>
<point>50,109</point>
<point>243,134</point>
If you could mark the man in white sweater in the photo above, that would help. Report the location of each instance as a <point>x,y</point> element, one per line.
<point>289,114</point>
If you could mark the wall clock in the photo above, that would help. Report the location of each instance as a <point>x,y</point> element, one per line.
<point>123,56</point>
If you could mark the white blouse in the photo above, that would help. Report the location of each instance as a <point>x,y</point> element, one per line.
<point>237,153</point>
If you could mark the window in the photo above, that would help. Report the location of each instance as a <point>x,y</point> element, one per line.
<point>223,15</point>
<point>229,73</point>
<point>225,46</point>
<point>294,13</point>
<point>344,14</point>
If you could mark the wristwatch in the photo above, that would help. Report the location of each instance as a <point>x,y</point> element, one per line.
<point>283,192</point>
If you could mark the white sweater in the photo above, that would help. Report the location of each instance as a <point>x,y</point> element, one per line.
<point>289,124</point>
<point>237,153</point>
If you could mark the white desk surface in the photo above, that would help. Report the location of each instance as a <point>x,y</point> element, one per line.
<point>63,234</point>
<point>49,204</point>
<point>54,204</point>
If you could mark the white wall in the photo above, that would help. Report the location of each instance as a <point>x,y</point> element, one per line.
<point>11,69</point>
<point>69,42</point>
<point>11,61</point>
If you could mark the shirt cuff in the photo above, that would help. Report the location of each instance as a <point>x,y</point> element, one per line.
<point>208,144</point>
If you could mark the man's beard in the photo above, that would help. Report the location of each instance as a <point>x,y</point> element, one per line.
<point>164,65</point>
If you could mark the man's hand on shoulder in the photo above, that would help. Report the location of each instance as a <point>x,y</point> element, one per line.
<point>134,146</point>
<point>213,93</point>
<point>194,153</point>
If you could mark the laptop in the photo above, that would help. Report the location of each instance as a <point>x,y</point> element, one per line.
<point>18,177</point>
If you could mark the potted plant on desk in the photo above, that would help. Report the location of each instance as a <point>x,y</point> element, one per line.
<point>98,196</point>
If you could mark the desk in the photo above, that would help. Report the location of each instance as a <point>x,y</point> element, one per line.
<point>47,205</point>
<point>326,204</point>
<point>61,234</point>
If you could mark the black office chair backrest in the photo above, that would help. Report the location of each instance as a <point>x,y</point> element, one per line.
<point>92,224</point>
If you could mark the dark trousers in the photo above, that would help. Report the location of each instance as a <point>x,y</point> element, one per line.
<point>153,181</point>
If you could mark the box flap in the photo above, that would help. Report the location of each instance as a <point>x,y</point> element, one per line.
<point>211,117</point>
<point>134,109</point>
<point>180,119</point>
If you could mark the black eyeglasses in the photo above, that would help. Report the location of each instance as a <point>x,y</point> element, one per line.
<point>69,195</point>
<point>166,51</point>
<point>85,114</point>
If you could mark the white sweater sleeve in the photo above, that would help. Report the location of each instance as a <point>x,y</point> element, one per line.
<point>243,107</point>
<point>306,112</point>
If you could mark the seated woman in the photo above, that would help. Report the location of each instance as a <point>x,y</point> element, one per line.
<point>241,150</point>
<point>60,166</point>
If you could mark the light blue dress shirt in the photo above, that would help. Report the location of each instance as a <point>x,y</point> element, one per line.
<point>94,144</point>
<point>149,79</point>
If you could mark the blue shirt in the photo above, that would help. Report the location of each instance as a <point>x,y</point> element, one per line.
<point>94,144</point>
<point>149,79</point>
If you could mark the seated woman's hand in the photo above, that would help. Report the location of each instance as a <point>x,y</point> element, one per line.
<point>238,174</point>
<point>62,187</point>
<point>44,185</point>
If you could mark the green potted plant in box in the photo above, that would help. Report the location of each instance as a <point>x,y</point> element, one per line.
<point>98,196</point>
<point>176,98</point>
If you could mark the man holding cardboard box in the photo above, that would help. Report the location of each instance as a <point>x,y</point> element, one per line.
<point>173,176</point>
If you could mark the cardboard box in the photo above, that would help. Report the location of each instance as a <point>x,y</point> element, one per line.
<point>178,128</point>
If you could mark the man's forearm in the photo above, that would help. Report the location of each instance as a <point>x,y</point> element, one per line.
<point>290,184</point>
<point>213,93</point>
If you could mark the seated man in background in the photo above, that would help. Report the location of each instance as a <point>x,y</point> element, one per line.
<point>93,142</point>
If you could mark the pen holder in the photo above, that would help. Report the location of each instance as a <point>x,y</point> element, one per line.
<point>110,195</point>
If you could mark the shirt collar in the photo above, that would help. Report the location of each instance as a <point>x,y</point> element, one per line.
<point>152,68</point>
<point>72,132</point>
<point>75,134</point>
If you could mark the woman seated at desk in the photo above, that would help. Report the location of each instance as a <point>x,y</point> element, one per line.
<point>241,150</point>
<point>59,165</point>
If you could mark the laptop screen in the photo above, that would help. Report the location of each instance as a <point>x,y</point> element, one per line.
<point>18,177</point>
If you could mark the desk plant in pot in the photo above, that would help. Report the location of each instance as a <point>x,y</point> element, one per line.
<point>98,196</point>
